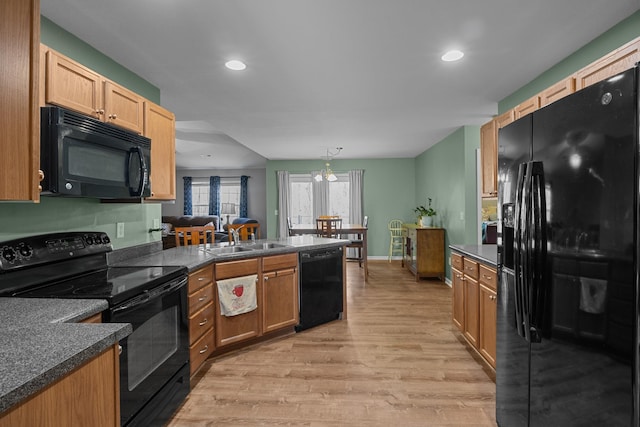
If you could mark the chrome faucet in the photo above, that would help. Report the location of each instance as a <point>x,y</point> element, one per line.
<point>236,235</point>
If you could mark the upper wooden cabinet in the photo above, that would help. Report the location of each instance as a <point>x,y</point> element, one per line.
<point>557,91</point>
<point>74,86</point>
<point>526,107</point>
<point>20,121</point>
<point>609,65</point>
<point>160,127</point>
<point>488,156</point>
<point>489,152</point>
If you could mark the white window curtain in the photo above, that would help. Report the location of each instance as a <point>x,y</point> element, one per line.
<point>283,203</point>
<point>320,195</point>
<point>355,194</point>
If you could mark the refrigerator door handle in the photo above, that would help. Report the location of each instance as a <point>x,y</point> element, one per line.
<point>528,258</point>
<point>538,227</point>
<point>518,250</point>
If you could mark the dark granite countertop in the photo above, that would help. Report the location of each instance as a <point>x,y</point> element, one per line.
<point>42,344</point>
<point>195,257</point>
<point>487,254</point>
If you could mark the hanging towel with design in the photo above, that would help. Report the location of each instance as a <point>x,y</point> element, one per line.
<point>237,295</point>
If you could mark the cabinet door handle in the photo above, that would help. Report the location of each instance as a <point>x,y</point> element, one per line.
<point>204,322</point>
<point>202,298</point>
<point>200,279</point>
<point>484,276</point>
<point>205,349</point>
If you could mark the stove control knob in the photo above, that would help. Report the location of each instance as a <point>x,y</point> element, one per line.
<point>106,240</point>
<point>26,251</point>
<point>89,240</point>
<point>97,239</point>
<point>9,254</point>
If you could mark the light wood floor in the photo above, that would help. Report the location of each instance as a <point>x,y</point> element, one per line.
<point>397,361</point>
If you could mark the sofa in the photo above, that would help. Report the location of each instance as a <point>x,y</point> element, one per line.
<point>169,223</point>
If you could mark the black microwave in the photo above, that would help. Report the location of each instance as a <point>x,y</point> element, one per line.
<point>84,157</point>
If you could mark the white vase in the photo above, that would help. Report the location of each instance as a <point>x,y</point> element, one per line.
<point>426,221</point>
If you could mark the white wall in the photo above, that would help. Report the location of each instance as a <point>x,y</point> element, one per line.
<point>257,192</point>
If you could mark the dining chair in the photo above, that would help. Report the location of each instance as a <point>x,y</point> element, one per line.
<point>357,243</point>
<point>244,230</point>
<point>396,241</point>
<point>328,227</point>
<point>196,235</point>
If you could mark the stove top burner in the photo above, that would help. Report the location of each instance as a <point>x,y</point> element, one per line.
<point>115,284</point>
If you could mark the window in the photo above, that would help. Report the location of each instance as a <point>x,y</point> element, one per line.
<point>200,196</point>
<point>229,193</point>
<point>301,198</point>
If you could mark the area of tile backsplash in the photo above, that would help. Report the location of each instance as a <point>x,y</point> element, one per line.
<point>55,214</point>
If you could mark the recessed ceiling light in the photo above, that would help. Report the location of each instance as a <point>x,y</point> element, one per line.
<point>452,55</point>
<point>235,65</point>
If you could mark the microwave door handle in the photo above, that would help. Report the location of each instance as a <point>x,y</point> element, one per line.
<point>144,170</point>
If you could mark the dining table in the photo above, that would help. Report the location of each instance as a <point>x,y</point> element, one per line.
<point>346,229</point>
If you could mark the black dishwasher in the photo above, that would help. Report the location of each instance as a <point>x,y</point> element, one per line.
<point>321,278</point>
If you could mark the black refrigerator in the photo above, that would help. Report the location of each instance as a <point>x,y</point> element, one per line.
<point>567,322</point>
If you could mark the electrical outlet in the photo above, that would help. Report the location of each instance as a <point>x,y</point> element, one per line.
<point>461,215</point>
<point>120,230</point>
<point>276,212</point>
<point>156,223</point>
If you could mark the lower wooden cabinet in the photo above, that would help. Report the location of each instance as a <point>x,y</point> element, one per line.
<point>280,292</point>
<point>88,396</point>
<point>234,329</point>
<point>474,304</point>
<point>201,317</point>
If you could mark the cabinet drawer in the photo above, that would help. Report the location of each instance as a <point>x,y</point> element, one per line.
<point>226,270</point>
<point>488,277</point>
<point>456,261</point>
<point>200,298</point>
<point>199,278</point>
<point>200,322</point>
<point>200,351</point>
<point>278,262</point>
<point>470,268</point>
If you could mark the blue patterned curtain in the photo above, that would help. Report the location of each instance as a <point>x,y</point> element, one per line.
<point>187,196</point>
<point>244,199</point>
<point>214,196</point>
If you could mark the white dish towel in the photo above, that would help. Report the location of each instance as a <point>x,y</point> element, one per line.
<point>237,295</point>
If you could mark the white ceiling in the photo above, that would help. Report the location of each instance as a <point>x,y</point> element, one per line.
<point>365,75</point>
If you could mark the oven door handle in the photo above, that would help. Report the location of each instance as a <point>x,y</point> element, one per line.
<point>153,294</point>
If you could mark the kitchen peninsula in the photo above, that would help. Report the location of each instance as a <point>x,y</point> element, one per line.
<point>65,347</point>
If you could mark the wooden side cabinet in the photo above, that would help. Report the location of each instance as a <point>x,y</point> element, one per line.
<point>424,251</point>
<point>201,317</point>
<point>474,305</point>
<point>88,396</point>
<point>20,118</point>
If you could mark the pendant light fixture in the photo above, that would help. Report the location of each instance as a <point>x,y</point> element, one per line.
<point>327,173</point>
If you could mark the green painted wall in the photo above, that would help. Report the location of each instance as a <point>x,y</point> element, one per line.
<point>54,214</point>
<point>389,193</point>
<point>66,43</point>
<point>446,172</point>
<point>625,31</point>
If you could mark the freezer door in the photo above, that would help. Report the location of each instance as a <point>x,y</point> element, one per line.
<point>581,370</point>
<point>512,370</point>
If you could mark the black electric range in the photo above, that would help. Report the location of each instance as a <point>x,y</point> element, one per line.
<point>74,265</point>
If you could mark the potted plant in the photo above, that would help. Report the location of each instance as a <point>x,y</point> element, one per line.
<point>425,215</point>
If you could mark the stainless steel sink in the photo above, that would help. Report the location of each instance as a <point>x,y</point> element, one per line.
<point>269,245</point>
<point>227,250</point>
